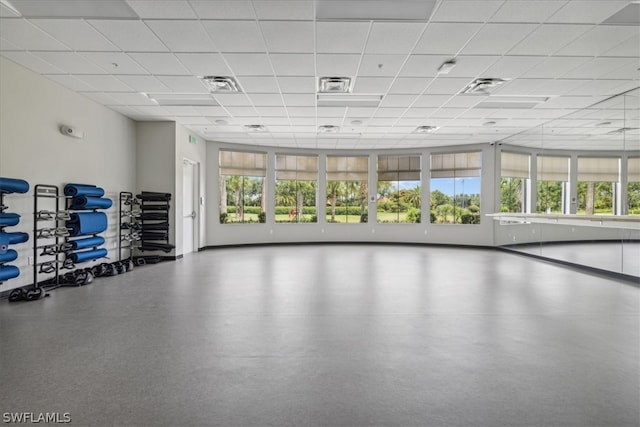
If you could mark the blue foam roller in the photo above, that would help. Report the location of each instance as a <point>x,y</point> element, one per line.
<point>88,202</point>
<point>75,190</point>
<point>8,256</point>
<point>12,238</point>
<point>8,272</point>
<point>13,185</point>
<point>9,219</point>
<point>82,223</point>
<point>89,242</point>
<point>84,256</point>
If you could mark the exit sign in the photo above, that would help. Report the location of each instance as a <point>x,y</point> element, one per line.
<point>192,139</point>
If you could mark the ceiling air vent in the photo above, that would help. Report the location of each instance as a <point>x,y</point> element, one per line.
<point>622,130</point>
<point>426,129</point>
<point>334,85</point>
<point>221,84</point>
<point>255,128</point>
<point>482,86</point>
<point>328,129</point>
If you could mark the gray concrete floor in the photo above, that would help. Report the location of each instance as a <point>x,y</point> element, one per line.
<point>335,335</point>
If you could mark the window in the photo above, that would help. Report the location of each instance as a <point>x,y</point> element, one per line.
<point>598,185</point>
<point>399,189</point>
<point>296,180</point>
<point>347,192</point>
<point>242,187</point>
<point>455,188</point>
<point>633,186</point>
<point>552,184</point>
<point>514,182</point>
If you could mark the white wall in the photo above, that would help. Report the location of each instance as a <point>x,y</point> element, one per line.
<point>32,109</point>
<point>463,234</point>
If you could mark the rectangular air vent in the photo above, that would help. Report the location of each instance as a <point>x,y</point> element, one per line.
<point>334,85</point>
<point>181,99</point>
<point>482,86</point>
<point>221,84</point>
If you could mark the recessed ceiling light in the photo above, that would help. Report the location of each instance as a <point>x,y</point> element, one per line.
<point>221,122</point>
<point>426,129</point>
<point>356,122</point>
<point>328,129</point>
<point>221,84</point>
<point>447,66</point>
<point>482,86</point>
<point>255,128</point>
<point>491,123</point>
<point>334,85</point>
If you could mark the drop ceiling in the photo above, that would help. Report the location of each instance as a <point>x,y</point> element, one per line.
<point>145,59</point>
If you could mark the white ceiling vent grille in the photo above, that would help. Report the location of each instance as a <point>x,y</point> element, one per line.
<point>328,129</point>
<point>426,129</point>
<point>221,84</point>
<point>622,130</point>
<point>334,85</point>
<point>255,128</point>
<point>482,86</point>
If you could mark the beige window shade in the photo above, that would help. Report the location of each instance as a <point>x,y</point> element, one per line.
<point>456,165</point>
<point>633,169</point>
<point>598,169</point>
<point>515,165</point>
<point>398,168</point>
<point>303,168</point>
<point>552,168</point>
<point>347,168</point>
<point>241,163</point>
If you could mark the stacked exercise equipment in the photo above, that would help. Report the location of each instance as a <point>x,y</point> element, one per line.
<point>7,271</point>
<point>129,227</point>
<point>154,221</point>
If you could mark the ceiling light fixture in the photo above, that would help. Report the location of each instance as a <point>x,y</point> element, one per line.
<point>221,84</point>
<point>426,129</point>
<point>328,129</point>
<point>181,99</point>
<point>255,128</point>
<point>334,85</point>
<point>621,131</point>
<point>447,66</point>
<point>483,85</point>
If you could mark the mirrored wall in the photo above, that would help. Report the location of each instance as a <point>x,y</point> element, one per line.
<point>570,188</point>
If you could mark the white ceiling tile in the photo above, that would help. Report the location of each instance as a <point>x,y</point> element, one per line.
<point>223,9</point>
<point>293,64</point>
<point>6,45</point>
<point>271,111</point>
<point>32,62</point>
<point>602,88</point>
<point>204,64</point>
<point>548,38</point>
<point>232,99</point>
<point>466,11</point>
<point>447,85</point>
<point>422,65</point>
<point>591,11</point>
<point>526,11</point>
<point>600,68</point>
<point>448,113</point>
<point>447,39</point>
<point>576,102</point>
<point>100,98</point>
<point>106,60</point>
<point>197,120</point>
<point>6,12</point>
<point>70,62</point>
<point>431,100</point>
<point>331,111</point>
<point>284,9</point>
<point>510,67</point>
<point>519,86</point>
<point>219,112</point>
<point>464,101</point>
<point>419,112</point>
<point>471,66</point>
<point>299,99</point>
<point>241,111</point>
<point>130,36</point>
<point>76,34</point>
<point>144,83</point>
<point>259,84</point>
<point>297,84</point>
<point>22,33</point>
<point>275,121</point>
<point>397,101</point>
<point>341,37</point>
<point>555,66</point>
<point>181,111</point>
<point>266,99</point>
<point>343,65</point>
<point>160,63</point>
<point>303,121</point>
<point>182,36</point>
<point>288,36</point>
<point>104,83</point>
<point>497,39</point>
<point>70,82</point>
<point>184,84</point>
<point>628,71</point>
<point>162,9</point>
<point>126,110</point>
<point>372,85</point>
<point>599,40</point>
<point>381,65</point>
<point>629,48</point>
<point>393,37</point>
<point>360,112</point>
<point>409,85</point>
<point>235,36</point>
<point>130,98</point>
<point>302,111</point>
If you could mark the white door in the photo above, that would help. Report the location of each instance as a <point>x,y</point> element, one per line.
<point>188,206</point>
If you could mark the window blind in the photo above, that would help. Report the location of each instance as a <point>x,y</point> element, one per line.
<point>243,163</point>
<point>347,168</point>
<point>456,165</point>
<point>598,169</point>
<point>633,169</point>
<point>303,168</point>
<point>515,165</point>
<point>398,168</point>
<point>553,168</point>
